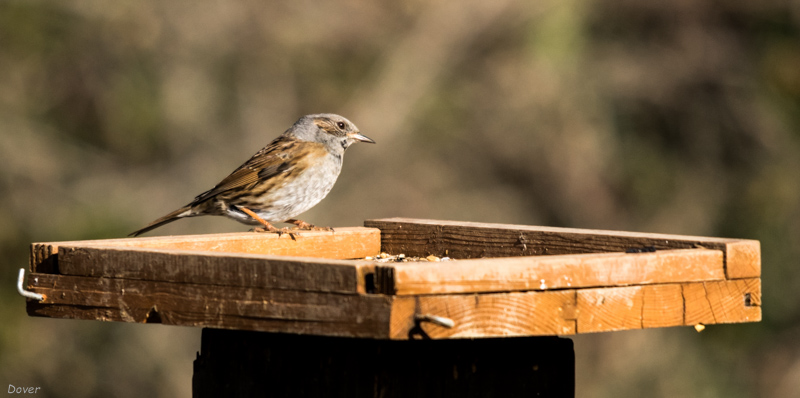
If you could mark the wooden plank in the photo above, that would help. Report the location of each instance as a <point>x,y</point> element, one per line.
<point>743,259</point>
<point>601,310</point>
<point>344,243</point>
<point>121,300</point>
<point>416,237</point>
<point>662,306</point>
<point>636,307</point>
<point>633,307</point>
<point>550,272</point>
<point>211,268</point>
<point>559,312</point>
<point>487,315</point>
<point>723,302</point>
<point>71,311</point>
<point>44,258</point>
<point>221,321</point>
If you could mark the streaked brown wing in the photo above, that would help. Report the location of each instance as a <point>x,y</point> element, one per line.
<point>273,159</point>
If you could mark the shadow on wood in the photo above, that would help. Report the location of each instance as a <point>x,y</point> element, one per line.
<point>242,364</point>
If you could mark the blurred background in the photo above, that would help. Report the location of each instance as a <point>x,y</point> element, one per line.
<point>661,116</point>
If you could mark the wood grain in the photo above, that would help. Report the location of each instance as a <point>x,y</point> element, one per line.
<point>633,307</point>
<point>662,306</point>
<point>602,310</point>
<point>211,268</point>
<point>550,272</point>
<point>344,243</point>
<point>44,258</point>
<point>227,307</point>
<point>723,302</point>
<point>743,259</point>
<point>416,237</point>
<point>487,315</point>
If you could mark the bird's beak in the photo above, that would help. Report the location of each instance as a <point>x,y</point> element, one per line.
<point>361,137</point>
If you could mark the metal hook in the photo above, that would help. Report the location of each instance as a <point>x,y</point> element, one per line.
<point>22,291</point>
<point>434,319</point>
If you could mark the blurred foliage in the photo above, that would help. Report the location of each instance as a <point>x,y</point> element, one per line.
<point>658,116</point>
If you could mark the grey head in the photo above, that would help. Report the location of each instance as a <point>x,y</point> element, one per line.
<point>335,131</point>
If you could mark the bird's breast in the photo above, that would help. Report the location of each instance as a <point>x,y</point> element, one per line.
<point>303,188</point>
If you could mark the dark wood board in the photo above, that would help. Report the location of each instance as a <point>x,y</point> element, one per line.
<point>212,268</point>
<point>245,308</point>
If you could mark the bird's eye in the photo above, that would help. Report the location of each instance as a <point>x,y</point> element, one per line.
<point>341,125</point>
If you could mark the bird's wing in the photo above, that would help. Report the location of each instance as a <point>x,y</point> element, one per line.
<point>277,157</point>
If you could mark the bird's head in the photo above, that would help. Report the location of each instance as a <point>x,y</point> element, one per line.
<point>327,128</point>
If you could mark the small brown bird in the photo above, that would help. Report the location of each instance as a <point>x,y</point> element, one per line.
<point>284,179</point>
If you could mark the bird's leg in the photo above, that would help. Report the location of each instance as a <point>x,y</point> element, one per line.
<point>267,226</point>
<point>311,227</point>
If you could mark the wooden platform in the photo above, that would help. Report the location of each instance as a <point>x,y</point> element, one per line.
<point>504,280</point>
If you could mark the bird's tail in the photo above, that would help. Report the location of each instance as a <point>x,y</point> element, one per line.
<point>185,211</point>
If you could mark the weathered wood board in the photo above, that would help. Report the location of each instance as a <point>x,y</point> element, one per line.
<point>211,268</point>
<point>343,243</point>
<point>737,300</point>
<point>456,239</point>
<point>246,308</point>
<point>573,311</point>
<point>320,284</point>
<point>534,313</point>
<point>550,272</point>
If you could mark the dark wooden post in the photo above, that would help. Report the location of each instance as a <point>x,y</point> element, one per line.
<point>235,363</point>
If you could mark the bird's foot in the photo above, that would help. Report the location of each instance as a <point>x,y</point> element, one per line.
<point>286,230</point>
<point>302,225</point>
<point>280,231</point>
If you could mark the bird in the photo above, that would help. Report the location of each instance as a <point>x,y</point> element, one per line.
<point>287,177</point>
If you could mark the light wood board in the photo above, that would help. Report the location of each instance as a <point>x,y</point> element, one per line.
<point>343,243</point>
<point>572,311</point>
<point>550,272</point>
